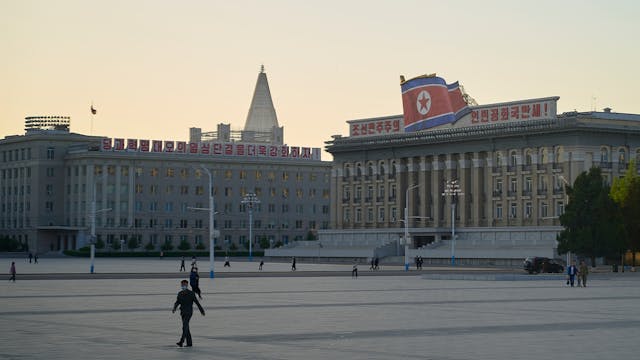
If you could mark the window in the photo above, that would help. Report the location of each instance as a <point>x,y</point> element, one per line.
<point>381,214</point>
<point>169,189</point>
<point>184,190</point>
<point>168,207</point>
<point>394,214</point>
<point>544,157</point>
<point>604,155</point>
<point>153,172</point>
<point>170,172</point>
<point>544,210</point>
<point>243,174</point>
<point>346,192</point>
<point>50,153</point>
<point>498,187</point>
<point>369,192</point>
<point>369,215</point>
<point>153,189</point>
<point>622,156</point>
<point>358,194</point>
<point>498,211</point>
<point>258,174</point>
<point>498,159</point>
<point>528,184</point>
<point>358,215</point>
<point>513,158</point>
<point>228,174</point>
<point>285,176</point>
<point>527,210</point>
<point>513,210</point>
<point>347,215</point>
<point>184,173</point>
<point>559,208</point>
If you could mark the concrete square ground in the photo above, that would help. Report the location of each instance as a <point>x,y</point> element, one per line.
<point>330,317</point>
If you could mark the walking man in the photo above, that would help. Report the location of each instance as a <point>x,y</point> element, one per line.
<point>185,299</point>
<point>583,271</point>
<point>354,272</point>
<point>182,268</point>
<point>194,280</point>
<point>226,262</point>
<point>293,264</point>
<point>572,271</point>
<point>12,271</point>
<point>261,263</point>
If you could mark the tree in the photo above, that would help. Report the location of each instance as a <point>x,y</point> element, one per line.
<point>167,246</point>
<point>132,243</point>
<point>184,245</point>
<point>592,220</point>
<point>625,192</point>
<point>264,242</point>
<point>9,244</point>
<point>115,245</point>
<point>99,244</point>
<point>149,246</point>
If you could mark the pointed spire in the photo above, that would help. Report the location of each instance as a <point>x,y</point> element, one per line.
<point>262,115</point>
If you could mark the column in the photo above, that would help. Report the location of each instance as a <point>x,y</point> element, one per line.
<point>477,190</point>
<point>436,191</point>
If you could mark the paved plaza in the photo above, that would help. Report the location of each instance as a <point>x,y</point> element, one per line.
<point>316,317</point>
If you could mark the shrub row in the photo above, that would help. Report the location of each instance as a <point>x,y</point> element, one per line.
<point>187,254</point>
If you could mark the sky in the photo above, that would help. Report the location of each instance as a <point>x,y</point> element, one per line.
<point>155,68</point>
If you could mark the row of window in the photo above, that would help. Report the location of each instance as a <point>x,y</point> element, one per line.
<point>21,154</point>
<point>357,169</point>
<point>528,210</point>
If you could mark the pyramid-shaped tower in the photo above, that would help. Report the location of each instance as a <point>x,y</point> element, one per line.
<point>262,115</point>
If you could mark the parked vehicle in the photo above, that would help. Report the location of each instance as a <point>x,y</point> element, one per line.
<point>535,265</point>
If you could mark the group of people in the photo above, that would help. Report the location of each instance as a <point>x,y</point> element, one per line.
<point>374,264</point>
<point>580,273</point>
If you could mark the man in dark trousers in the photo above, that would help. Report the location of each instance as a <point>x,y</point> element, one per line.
<point>185,299</point>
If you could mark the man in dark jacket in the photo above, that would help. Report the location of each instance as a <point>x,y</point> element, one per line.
<point>185,299</point>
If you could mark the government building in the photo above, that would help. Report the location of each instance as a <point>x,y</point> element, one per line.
<point>61,190</point>
<point>487,185</point>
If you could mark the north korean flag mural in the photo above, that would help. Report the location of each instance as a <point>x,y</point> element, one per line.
<point>429,101</point>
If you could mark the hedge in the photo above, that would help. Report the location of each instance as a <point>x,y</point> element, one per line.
<point>187,254</point>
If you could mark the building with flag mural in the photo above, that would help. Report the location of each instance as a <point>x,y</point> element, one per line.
<point>465,181</point>
<point>150,190</point>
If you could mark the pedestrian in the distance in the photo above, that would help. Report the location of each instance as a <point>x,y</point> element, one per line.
<point>572,271</point>
<point>293,264</point>
<point>372,267</point>
<point>35,258</point>
<point>12,271</point>
<point>375,263</point>
<point>194,262</point>
<point>182,268</point>
<point>354,271</point>
<point>226,262</point>
<point>261,263</point>
<point>583,271</point>
<point>185,299</point>
<point>194,280</point>
<point>30,257</point>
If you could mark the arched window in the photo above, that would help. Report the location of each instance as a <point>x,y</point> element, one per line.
<point>370,169</point>
<point>358,170</point>
<point>513,158</point>
<point>498,159</point>
<point>527,157</point>
<point>622,156</point>
<point>392,169</point>
<point>381,169</point>
<point>347,171</point>
<point>544,156</point>
<point>557,155</point>
<point>604,155</point>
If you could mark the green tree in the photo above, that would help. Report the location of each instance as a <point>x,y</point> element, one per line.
<point>99,244</point>
<point>264,242</point>
<point>200,246</point>
<point>184,245</point>
<point>625,192</point>
<point>9,244</point>
<point>132,243</point>
<point>592,220</point>
<point>149,246</point>
<point>167,246</point>
<point>115,245</point>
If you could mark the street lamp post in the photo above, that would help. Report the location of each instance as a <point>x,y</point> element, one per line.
<point>93,227</point>
<point>566,196</point>
<point>452,188</point>
<point>250,200</point>
<point>211,225</point>
<point>406,226</point>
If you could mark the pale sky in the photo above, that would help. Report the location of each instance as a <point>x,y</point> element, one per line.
<point>155,68</point>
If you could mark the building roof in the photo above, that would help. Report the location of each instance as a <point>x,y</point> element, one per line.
<point>262,114</point>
